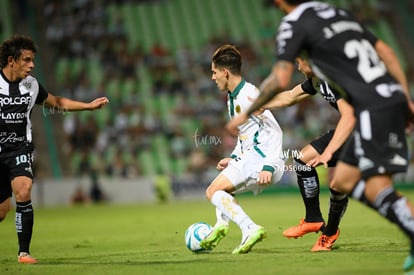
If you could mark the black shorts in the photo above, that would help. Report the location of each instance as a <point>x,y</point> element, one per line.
<point>378,145</point>
<point>322,142</point>
<point>14,165</point>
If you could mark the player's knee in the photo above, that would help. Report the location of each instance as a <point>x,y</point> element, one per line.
<point>300,166</point>
<point>338,186</point>
<point>209,192</point>
<point>22,193</point>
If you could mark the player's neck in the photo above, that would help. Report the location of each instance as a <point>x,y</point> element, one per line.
<point>234,82</point>
<point>8,74</point>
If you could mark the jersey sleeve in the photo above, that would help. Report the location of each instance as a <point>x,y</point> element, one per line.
<point>308,88</point>
<point>42,95</point>
<point>289,41</point>
<point>370,37</point>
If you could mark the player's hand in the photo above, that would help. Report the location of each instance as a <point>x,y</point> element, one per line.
<point>320,159</point>
<point>264,178</point>
<point>259,112</point>
<point>98,103</point>
<point>235,122</point>
<point>223,163</point>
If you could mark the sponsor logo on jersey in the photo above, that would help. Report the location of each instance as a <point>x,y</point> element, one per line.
<point>12,116</point>
<point>29,169</point>
<point>23,100</point>
<point>12,138</point>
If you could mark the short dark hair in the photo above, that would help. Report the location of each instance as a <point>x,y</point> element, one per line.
<point>13,47</point>
<point>296,2</point>
<point>227,56</point>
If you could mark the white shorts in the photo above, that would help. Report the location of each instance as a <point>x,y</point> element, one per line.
<point>243,172</point>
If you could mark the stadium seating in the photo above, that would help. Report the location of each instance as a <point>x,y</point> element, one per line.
<point>175,24</point>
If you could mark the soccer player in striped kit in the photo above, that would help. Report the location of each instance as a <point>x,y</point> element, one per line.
<point>19,92</point>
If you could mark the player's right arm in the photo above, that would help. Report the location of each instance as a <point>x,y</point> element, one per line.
<point>343,130</point>
<point>287,98</point>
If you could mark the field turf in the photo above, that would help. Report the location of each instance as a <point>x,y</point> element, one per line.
<point>149,239</point>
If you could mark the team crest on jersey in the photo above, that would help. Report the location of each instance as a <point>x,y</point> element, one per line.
<point>27,85</point>
<point>237,109</point>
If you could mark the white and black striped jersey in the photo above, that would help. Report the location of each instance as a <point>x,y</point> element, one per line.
<point>315,85</point>
<point>342,52</point>
<point>16,103</point>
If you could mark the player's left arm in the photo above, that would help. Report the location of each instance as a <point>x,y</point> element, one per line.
<point>390,59</point>
<point>343,130</point>
<point>68,104</point>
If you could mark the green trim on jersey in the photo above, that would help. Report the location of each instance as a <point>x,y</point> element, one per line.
<point>233,95</point>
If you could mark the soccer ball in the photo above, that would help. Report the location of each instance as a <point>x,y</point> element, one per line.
<point>195,234</point>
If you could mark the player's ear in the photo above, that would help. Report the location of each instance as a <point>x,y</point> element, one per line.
<point>226,72</point>
<point>10,59</point>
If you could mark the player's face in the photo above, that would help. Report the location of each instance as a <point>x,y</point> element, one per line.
<point>23,66</point>
<point>220,76</point>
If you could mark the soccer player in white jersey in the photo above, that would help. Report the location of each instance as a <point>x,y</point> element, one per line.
<point>255,162</point>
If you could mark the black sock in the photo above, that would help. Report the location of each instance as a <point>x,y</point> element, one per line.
<point>337,206</point>
<point>395,209</point>
<point>24,224</point>
<point>358,193</point>
<point>308,182</point>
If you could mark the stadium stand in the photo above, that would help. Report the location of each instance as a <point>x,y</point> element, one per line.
<point>152,59</point>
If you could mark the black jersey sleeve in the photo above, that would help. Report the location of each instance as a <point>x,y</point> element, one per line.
<point>42,95</point>
<point>308,88</point>
<point>370,37</point>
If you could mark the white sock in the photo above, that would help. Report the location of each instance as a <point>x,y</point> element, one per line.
<point>222,219</point>
<point>225,203</point>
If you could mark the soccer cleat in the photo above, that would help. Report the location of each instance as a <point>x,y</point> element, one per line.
<point>303,228</point>
<point>25,258</point>
<point>409,263</point>
<point>325,242</point>
<point>214,237</point>
<point>251,239</point>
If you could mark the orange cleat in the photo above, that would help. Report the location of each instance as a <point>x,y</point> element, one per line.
<point>325,242</point>
<point>303,228</point>
<point>25,258</point>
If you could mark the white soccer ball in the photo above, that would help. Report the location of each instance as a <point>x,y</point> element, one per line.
<point>195,234</point>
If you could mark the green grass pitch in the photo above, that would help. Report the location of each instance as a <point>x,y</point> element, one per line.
<point>149,239</point>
